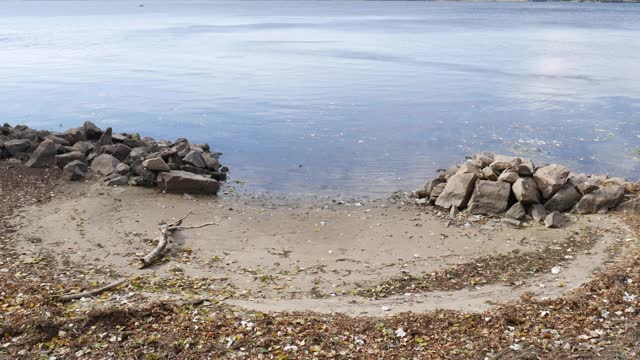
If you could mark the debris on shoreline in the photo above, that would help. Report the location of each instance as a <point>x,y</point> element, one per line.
<point>490,184</point>
<point>120,159</point>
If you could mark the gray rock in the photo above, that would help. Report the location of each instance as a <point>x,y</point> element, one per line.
<point>485,158</point>
<point>489,197</point>
<point>84,147</point>
<point>554,220</point>
<point>428,187</point>
<point>44,155</point>
<point>436,191</point>
<point>104,164</point>
<point>509,176</point>
<point>122,169</point>
<point>512,223</point>
<point>631,206</point>
<point>106,138</point>
<point>563,200</point>
<point>538,212</point>
<point>118,181</point>
<point>525,168</point>
<point>526,191</point>
<point>601,200</point>
<point>212,162</point>
<point>185,182</point>
<point>550,179</point>
<point>586,188</point>
<point>195,158</point>
<point>119,151</point>
<point>19,146</point>
<point>576,179</point>
<point>74,171</point>
<point>502,162</point>
<point>74,135</point>
<point>58,140</point>
<point>138,152</point>
<point>91,131</point>
<point>182,147</point>
<point>155,164</point>
<point>517,211</point>
<point>457,191</point>
<point>118,138</point>
<point>489,174</point>
<point>450,172</point>
<point>469,168</point>
<point>63,159</point>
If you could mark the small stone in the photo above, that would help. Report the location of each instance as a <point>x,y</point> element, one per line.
<point>118,181</point>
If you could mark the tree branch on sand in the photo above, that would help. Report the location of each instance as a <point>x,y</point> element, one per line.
<point>165,231</point>
<point>94,292</point>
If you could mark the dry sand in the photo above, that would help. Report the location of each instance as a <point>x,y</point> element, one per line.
<point>297,255</point>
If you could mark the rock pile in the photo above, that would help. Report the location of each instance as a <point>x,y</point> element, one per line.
<point>490,184</point>
<point>120,159</point>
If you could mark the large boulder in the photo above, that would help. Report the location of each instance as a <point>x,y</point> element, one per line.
<point>526,167</point>
<point>489,197</point>
<point>517,211</point>
<point>537,212</point>
<point>104,164</point>
<point>489,174</point>
<point>106,138</point>
<point>509,176</point>
<point>457,191</point>
<point>550,179</point>
<point>74,171</point>
<point>526,191</point>
<point>44,155</point>
<point>182,147</point>
<point>631,206</point>
<point>119,151</point>
<point>563,200</point>
<point>84,147</point>
<point>195,158</point>
<point>185,182</point>
<point>212,162</point>
<point>63,159</point>
<point>17,146</point>
<point>554,220</point>
<point>502,162</point>
<point>155,164</point>
<point>485,158</point>
<point>436,191</point>
<point>601,200</point>
<point>91,131</point>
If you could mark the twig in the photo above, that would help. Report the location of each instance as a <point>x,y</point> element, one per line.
<point>94,292</point>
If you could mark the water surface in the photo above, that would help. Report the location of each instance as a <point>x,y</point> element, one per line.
<point>336,97</point>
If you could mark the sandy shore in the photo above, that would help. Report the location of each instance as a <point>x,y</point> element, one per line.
<point>266,257</point>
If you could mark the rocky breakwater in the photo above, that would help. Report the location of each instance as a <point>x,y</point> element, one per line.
<point>119,159</point>
<point>489,184</point>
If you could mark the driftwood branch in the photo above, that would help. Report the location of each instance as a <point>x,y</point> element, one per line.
<point>93,292</point>
<point>165,231</point>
